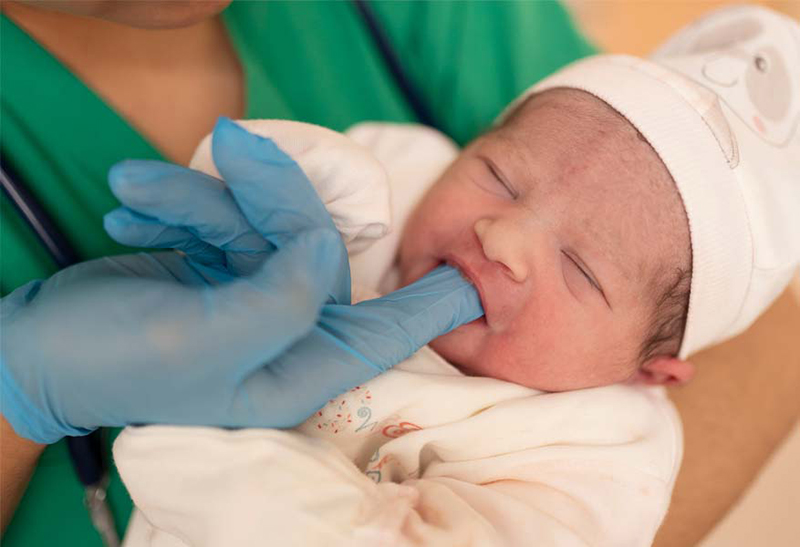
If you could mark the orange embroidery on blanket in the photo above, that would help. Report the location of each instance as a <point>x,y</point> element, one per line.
<point>383,461</point>
<point>398,430</point>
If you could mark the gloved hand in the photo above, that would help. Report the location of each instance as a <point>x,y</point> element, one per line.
<point>165,339</point>
<point>172,207</point>
<point>168,206</point>
<point>148,338</point>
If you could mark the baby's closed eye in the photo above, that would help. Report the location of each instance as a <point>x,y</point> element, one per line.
<point>576,278</point>
<point>493,180</point>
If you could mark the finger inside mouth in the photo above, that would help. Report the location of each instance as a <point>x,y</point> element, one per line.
<point>482,319</point>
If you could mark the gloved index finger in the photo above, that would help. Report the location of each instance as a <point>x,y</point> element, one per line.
<point>273,192</point>
<point>130,228</point>
<point>390,329</point>
<point>433,305</point>
<point>178,196</point>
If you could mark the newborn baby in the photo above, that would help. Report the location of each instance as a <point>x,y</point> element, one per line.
<point>622,214</point>
<point>395,461</point>
<point>572,229</point>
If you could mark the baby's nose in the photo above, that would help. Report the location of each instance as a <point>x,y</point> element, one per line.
<point>501,244</point>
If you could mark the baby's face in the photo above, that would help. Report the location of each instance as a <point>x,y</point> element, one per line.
<point>561,218</point>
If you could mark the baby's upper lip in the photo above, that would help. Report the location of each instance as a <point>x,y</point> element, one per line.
<point>468,271</point>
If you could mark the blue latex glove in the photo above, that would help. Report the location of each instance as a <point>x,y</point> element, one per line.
<point>196,213</point>
<point>168,206</point>
<point>169,339</point>
<point>147,338</point>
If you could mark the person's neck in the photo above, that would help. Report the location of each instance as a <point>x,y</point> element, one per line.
<point>85,41</point>
<point>171,85</point>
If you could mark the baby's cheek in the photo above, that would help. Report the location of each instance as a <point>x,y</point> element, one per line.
<point>528,338</point>
<point>551,346</point>
<point>538,317</point>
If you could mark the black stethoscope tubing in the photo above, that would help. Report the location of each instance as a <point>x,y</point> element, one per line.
<point>87,452</point>
<point>37,218</point>
<point>88,465</point>
<point>394,65</point>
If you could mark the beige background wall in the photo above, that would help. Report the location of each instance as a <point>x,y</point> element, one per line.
<point>769,514</point>
<point>637,27</point>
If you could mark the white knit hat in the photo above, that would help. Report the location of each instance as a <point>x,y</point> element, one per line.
<point>720,104</point>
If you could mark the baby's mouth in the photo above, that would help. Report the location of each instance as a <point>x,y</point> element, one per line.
<point>469,274</point>
<point>466,272</point>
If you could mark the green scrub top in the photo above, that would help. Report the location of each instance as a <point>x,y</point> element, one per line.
<point>309,61</point>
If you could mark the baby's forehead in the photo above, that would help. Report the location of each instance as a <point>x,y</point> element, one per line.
<point>577,140</point>
<point>574,115</point>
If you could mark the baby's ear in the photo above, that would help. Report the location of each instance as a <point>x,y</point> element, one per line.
<point>664,370</point>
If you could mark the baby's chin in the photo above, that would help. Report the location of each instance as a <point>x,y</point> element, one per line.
<point>439,345</point>
<point>442,348</point>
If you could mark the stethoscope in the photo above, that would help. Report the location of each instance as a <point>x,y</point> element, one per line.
<point>87,454</point>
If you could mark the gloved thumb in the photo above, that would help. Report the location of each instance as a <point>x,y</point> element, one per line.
<point>272,191</point>
<point>270,188</point>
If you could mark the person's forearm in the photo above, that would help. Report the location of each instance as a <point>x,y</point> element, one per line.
<point>18,457</point>
<point>742,403</point>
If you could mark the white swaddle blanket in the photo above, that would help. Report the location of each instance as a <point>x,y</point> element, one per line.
<point>421,455</point>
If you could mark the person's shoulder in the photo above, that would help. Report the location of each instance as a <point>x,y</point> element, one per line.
<point>422,16</point>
